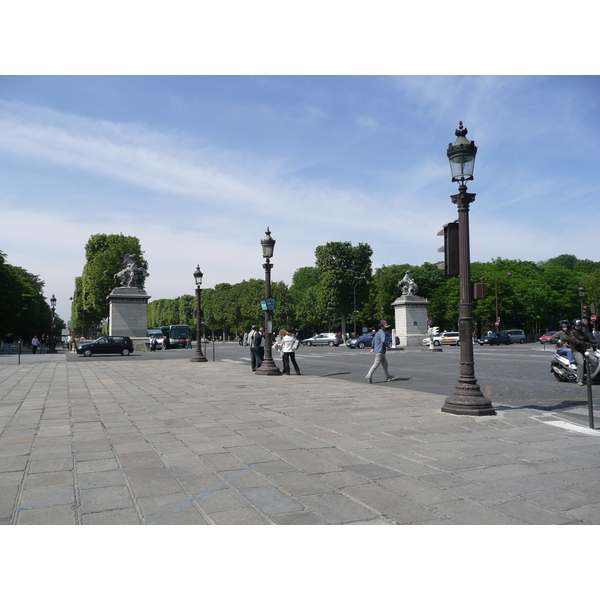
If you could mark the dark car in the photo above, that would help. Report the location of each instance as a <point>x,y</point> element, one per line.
<point>495,338</point>
<point>366,341</point>
<point>107,344</point>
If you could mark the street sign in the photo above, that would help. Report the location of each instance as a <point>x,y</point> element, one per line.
<point>593,317</point>
<point>497,323</point>
<point>268,304</point>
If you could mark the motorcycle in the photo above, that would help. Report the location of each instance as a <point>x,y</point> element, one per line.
<point>564,367</point>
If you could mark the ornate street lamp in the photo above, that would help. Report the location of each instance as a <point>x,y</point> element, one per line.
<point>51,342</point>
<point>198,356</point>
<point>268,367</point>
<point>467,398</point>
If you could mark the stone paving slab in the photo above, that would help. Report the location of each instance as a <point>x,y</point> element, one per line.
<point>173,442</point>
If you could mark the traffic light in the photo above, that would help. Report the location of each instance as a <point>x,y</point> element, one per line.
<point>435,331</point>
<point>450,266</point>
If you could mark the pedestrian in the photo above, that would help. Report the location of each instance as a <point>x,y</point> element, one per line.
<point>380,343</point>
<point>165,342</point>
<point>250,341</point>
<point>288,346</point>
<point>43,344</point>
<point>188,344</point>
<point>578,340</point>
<point>153,343</point>
<point>259,346</point>
<point>35,344</point>
<point>9,339</point>
<point>245,340</point>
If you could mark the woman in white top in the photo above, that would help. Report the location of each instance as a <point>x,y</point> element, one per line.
<point>288,347</point>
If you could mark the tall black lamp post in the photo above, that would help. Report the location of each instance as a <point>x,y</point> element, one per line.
<point>52,341</point>
<point>268,367</point>
<point>467,398</point>
<point>198,356</point>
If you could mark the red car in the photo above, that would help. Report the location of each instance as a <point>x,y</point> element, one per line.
<point>547,337</point>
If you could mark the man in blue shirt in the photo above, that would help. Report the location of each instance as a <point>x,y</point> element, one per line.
<point>380,344</point>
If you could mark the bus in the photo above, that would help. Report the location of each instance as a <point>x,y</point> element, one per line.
<point>175,336</point>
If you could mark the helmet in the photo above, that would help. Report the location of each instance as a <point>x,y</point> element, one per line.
<point>576,322</point>
<point>565,324</point>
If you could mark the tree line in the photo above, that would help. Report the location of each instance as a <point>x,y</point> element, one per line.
<point>342,291</point>
<point>342,287</point>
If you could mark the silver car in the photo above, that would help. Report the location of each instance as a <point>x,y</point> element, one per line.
<point>323,339</point>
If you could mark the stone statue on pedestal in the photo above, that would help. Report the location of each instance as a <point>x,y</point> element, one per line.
<point>128,276</point>
<point>409,287</point>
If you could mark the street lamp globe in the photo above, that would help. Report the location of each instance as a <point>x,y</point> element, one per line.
<point>198,276</point>
<point>268,244</point>
<point>53,301</point>
<point>461,155</point>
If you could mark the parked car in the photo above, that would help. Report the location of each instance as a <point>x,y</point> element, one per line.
<point>495,338</point>
<point>117,344</point>
<point>545,339</point>
<point>323,339</point>
<point>364,341</point>
<point>448,338</point>
<point>516,335</point>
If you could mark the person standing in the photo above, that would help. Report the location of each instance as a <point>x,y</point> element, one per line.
<point>43,344</point>
<point>153,343</point>
<point>380,344</point>
<point>578,340</point>
<point>259,346</point>
<point>250,341</point>
<point>35,344</point>
<point>9,339</point>
<point>288,345</point>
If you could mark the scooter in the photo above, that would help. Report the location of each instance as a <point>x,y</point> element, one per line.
<point>564,367</point>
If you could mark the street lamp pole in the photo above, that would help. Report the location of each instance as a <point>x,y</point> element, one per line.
<point>467,398</point>
<point>52,344</point>
<point>198,356</point>
<point>268,367</point>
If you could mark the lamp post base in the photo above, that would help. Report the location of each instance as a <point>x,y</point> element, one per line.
<point>198,359</point>
<point>268,367</point>
<point>468,400</point>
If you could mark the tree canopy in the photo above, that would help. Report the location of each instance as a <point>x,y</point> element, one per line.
<point>24,311</point>
<point>530,296</point>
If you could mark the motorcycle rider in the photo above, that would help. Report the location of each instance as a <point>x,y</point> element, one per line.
<point>561,338</point>
<point>578,340</point>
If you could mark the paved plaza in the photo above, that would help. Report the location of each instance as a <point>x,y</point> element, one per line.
<point>152,442</point>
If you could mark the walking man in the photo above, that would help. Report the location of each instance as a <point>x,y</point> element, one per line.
<point>380,345</point>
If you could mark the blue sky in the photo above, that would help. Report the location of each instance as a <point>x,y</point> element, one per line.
<point>198,166</point>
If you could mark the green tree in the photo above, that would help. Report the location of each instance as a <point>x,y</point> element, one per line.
<point>343,268</point>
<point>104,254</point>
<point>24,311</point>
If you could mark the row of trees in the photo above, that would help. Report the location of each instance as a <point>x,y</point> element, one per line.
<point>24,311</point>
<point>342,289</point>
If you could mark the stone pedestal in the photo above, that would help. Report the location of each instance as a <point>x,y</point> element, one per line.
<point>411,319</point>
<point>129,313</point>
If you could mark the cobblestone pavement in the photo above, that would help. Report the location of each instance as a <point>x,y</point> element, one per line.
<point>173,442</point>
